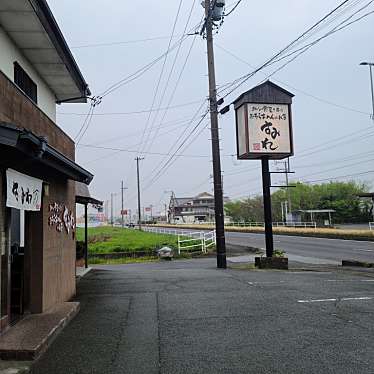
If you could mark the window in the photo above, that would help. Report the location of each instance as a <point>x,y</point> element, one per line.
<point>25,83</point>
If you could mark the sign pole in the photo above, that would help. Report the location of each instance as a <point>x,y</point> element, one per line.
<point>266,183</point>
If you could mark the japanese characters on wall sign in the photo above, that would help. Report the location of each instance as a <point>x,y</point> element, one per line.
<point>264,130</point>
<point>23,192</point>
<point>62,218</point>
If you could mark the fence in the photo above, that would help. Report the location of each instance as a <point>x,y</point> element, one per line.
<point>187,240</point>
<point>205,240</point>
<point>262,224</point>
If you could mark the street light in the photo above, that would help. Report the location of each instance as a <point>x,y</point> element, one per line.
<point>370,64</point>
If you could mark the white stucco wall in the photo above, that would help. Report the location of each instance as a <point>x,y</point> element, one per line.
<point>9,54</point>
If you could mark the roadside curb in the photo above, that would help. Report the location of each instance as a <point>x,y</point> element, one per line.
<point>81,274</point>
<point>15,368</point>
<point>354,263</point>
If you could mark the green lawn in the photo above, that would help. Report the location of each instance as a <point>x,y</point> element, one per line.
<point>115,239</point>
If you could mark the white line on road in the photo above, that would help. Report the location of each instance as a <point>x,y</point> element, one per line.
<point>332,300</point>
<point>350,280</point>
<point>363,250</point>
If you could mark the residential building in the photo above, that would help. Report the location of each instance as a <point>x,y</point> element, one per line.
<point>38,171</point>
<point>192,209</point>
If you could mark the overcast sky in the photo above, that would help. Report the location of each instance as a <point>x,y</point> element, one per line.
<point>332,92</point>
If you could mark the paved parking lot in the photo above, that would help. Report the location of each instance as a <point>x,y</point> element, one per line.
<point>188,317</point>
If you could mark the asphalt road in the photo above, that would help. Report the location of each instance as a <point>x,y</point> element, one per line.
<point>332,250</point>
<point>306,249</point>
<point>188,317</point>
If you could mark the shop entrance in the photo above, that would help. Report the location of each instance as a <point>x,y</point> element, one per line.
<point>17,264</point>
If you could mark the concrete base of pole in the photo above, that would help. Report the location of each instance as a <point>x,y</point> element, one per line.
<point>271,263</point>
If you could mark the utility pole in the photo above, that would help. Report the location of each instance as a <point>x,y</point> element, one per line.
<point>166,214</point>
<point>218,193</point>
<point>286,171</point>
<point>138,159</point>
<point>111,208</point>
<point>122,210</point>
<point>370,64</point>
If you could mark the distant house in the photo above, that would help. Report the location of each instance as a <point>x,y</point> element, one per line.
<point>192,209</point>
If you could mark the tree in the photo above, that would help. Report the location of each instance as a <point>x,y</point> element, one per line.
<point>339,196</point>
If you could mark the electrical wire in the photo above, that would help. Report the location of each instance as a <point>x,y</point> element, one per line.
<point>165,165</point>
<point>175,86</point>
<point>233,9</point>
<point>169,78</point>
<point>334,169</point>
<point>134,145</point>
<point>85,121</point>
<point>278,56</point>
<point>340,177</point>
<point>177,106</point>
<point>294,88</point>
<point>109,44</point>
<point>176,123</point>
<point>135,151</point>
<point>161,72</point>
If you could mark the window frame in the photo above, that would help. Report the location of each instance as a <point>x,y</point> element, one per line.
<point>25,83</point>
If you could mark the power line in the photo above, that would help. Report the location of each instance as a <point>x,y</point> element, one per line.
<point>294,88</point>
<point>177,106</point>
<point>134,145</point>
<point>109,44</point>
<point>240,81</point>
<point>176,123</point>
<point>135,151</point>
<point>179,138</point>
<point>233,9</point>
<point>169,78</point>
<point>167,163</point>
<point>177,82</point>
<point>338,143</point>
<point>138,73</point>
<point>334,169</point>
<point>340,177</point>
<point>162,71</point>
<point>85,121</point>
<point>308,46</point>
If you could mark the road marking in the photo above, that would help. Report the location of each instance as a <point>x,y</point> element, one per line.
<point>259,283</point>
<point>332,300</point>
<point>363,250</point>
<point>350,280</point>
<point>309,272</point>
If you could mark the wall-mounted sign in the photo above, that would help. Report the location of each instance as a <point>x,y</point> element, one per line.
<point>23,192</point>
<point>60,216</point>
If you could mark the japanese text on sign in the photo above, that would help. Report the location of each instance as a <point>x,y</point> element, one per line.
<point>23,192</point>
<point>268,129</point>
<point>60,216</point>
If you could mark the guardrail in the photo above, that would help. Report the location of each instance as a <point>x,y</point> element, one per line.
<point>371,225</point>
